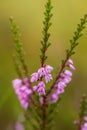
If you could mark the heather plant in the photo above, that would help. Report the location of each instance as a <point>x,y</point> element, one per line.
<point>81,123</point>
<point>39,99</point>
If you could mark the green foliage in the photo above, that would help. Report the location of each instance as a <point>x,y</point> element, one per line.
<point>77,34</point>
<point>19,50</point>
<point>83,107</point>
<point>45,43</point>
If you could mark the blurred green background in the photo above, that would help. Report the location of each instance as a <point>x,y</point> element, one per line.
<point>29,16</point>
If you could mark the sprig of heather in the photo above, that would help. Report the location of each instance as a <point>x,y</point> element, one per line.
<point>69,52</point>
<point>77,34</point>
<point>22,86</point>
<point>45,43</point>
<point>82,122</point>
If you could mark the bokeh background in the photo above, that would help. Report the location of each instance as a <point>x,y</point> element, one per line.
<point>29,16</point>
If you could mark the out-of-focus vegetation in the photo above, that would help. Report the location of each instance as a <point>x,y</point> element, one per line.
<point>29,16</point>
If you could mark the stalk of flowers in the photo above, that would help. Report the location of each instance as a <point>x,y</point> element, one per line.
<point>43,72</point>
<point>83,124</point>
<point>23,91</point>
<point>22,87</point>
<point>63,81</point>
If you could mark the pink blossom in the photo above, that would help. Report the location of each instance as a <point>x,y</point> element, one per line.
<point>41,72</point>
<point>19,126</point>
<point>41,84</point>
<point>60,89</point>
<point>67,79</point>
<point>84,126</point>
<point>23,91</point>
<point>24,104</point>
<point>70,61</point>
<point>34,77</point>
<point>17,83</point>
<point>41,91</point>
<point>48,77</point>
<point>61,84</point>
<point>71,67</point>
<point>64,79</point>
<point>41,88</point>
<point>54,98</point>
<point>35,88</point>
<point>68,73</point>
<point>41,100</point>
<point>85,118</point>
<point>48,69</point>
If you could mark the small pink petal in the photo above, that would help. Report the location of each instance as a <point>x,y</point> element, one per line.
<point>70,61</point>
<point>48,68</point>
<point>41,72</point>
<point>68,73</point>
<point>71,67</point>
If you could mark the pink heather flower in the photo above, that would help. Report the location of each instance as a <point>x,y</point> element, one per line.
<point>23,96</point>
<point>17,83</point>
<point>76,122</point>
<point>41,72</point>
<point>67,79</point>
<point>34,77</point>
<point>70,61</point>
<point>54,98</point>
<point>41,100</point>
<point>61,84</point>
<point>48,69</point>
<point>60,88</point>
<point>48,77</point>
<point>35,88</point>
<point>25,81</point>
<point>84,126</point>
<point>24,104</point>
<point>41,88</point>
<point>19,126</point>
<point>85,118</point>
<point>41,91</point>
<point>71,64</point>
<point>41,84</point>
<point>68,73</point>
<point>23,91</point>
<point>71,67</point>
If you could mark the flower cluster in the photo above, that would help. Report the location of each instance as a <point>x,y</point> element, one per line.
<point>22,87</point>
<point>64,79</point>
<point>83,124</point>
<point>43,72</point>
<point>41,77</point>
<point>23,91</point>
